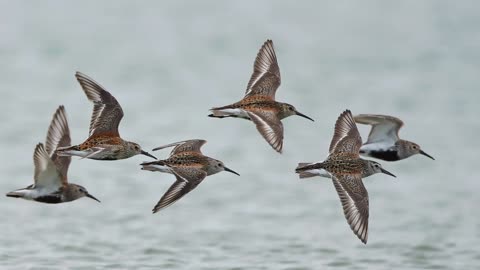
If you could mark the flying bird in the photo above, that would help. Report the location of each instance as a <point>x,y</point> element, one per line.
<point>189,166</point>
<point>346,169</point>
<point>259,103</point>
<point>383,141</point>
<point>104,141</point>
<point>51,183</point>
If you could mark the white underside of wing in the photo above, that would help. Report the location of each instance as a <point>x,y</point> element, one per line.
<point>386,132</point>
<point>48,179</point>
<point>233,112</point>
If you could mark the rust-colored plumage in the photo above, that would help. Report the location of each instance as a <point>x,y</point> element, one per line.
<point>258,104</point>
<point>346,169</point>
<point>51,182</point>
<point>189,166</point>
<point>104,141</point>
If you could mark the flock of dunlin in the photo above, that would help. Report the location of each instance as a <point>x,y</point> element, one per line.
<point>186,161</point>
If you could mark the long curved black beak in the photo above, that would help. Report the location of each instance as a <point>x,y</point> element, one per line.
<point>232,171</point>
<point>425,154</point>
<point>304,116</point>
<point>387,172</point>
<point>91,197</point>
<point>147,154</point>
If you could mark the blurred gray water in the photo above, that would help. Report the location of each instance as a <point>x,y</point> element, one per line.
<point>168,62</point>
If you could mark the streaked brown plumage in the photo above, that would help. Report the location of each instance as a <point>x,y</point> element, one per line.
<point>189,166</point>
<point>346,170</point>
<point>259,103</point>
<point>104,141</point>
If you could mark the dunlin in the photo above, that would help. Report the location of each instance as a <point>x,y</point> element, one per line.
<point>346,169</point>
<point>104,141</point>
<point>383,141</point>
<point>259,103</point>
<point>189,166</point>
<point>51,184</point>
<point>369,167</point>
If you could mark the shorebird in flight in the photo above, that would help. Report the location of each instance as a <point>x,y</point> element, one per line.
<point>189,166</point>
<point>346,169</point>
<point>51,184</point>
<point>104,141</point>
<point>259,103</point>
<point>383,141</point>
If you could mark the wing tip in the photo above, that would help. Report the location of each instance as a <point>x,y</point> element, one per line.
<point>268,42</point>
<point>266,55</point>
<point>374,119</point>
<point>82,76</point>
<point>278,149</point>
<point>364,237</point>
<point>345,118</point>
<point>39,148</point>
<point>161,205</point>
<point>269,49</point>
<point>345,113</point>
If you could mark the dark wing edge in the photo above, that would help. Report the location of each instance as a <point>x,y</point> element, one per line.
<point>266,72</point>
<point>107,112</point>
<point>178,189</point>
<point>345,127</point>
<point>354,199</point>
<point>381,125</point>
<point>271,128</point>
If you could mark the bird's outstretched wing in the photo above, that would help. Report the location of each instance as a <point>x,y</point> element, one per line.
<point>187,180</point>
<point>346,138</point>
<point>265,79</point>
<point>384,127</point>
<point>354,199</point>
<point>45,174</point>
<point>107,112</point>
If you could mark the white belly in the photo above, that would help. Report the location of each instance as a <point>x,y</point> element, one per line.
<point>157,168</point>
<point>319,172</point>
<point>231,112</point>
<point>371,147</point>
<point>31,194</point>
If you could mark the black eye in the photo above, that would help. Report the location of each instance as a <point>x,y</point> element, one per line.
<point>290,108</point>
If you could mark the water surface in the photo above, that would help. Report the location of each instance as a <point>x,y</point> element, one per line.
<point>168,63</point>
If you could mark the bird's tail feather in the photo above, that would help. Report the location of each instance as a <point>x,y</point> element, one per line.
<point>19,193</point>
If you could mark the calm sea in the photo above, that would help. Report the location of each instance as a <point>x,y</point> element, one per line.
<point>168,62</point>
